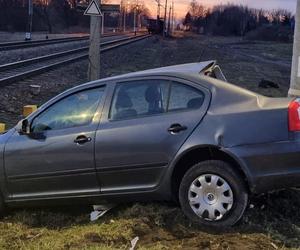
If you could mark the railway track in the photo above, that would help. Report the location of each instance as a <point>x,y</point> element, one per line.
<point>36,43</point>
<point>16,71</point>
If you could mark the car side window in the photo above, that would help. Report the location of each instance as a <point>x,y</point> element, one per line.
<point>184,97</point>
<point>139,98</point>
<point>75,110</point>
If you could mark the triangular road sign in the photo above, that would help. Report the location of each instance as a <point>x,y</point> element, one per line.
<point>93,9</point>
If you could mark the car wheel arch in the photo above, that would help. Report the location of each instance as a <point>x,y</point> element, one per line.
<point>192,156</point>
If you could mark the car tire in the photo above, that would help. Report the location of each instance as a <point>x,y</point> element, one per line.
<point>213,195</point>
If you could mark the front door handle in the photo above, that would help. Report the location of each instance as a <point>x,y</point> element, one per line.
<point>82,139</point>
<point>176,128</point>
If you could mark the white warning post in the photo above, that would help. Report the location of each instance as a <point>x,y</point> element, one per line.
<point>93,10</point>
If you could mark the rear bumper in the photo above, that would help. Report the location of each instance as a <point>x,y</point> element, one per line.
<point>270,166</point>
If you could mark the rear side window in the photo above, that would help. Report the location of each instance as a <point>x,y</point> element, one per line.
<point>150,97</point>
<point>184,97</point>
<point>139,98</point>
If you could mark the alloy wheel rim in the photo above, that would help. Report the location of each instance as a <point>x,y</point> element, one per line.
<point>210,197</point>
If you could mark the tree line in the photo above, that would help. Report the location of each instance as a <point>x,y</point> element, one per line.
<point>56,15</point>
<point>48,14</point>
<point>236,20</point>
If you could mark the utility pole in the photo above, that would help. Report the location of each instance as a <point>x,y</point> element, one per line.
<point>169,21</point>
<point>134,21</point>
<point>124,17</point>
<point>158,9</point>
<point>134,17</point>
<point>173,21</point>
<point>29,26</point>
<point>295,74</point>
<point>165,19</point>
<point>94,50</point>
<point>158,14</point>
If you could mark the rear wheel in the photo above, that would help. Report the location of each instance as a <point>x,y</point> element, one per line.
<point>212,194</point>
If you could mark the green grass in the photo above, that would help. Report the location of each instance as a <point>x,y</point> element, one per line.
<point>158,226</point>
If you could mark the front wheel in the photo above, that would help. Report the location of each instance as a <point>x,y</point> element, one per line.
<point>212,194</point>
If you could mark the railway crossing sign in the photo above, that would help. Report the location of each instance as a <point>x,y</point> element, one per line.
<point>93,9</point>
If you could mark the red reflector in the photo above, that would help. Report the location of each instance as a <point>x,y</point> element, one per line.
<point>294,115</point>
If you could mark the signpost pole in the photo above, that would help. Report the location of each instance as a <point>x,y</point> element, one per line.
<point>94,50</point>
<point>295,74</point>
<point>96,29</point>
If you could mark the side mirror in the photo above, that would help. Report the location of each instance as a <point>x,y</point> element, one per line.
<point>24,128</point>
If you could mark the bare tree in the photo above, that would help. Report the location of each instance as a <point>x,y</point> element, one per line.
<point>233,19</point>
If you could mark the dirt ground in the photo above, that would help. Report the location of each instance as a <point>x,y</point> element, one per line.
<point>272,221</point>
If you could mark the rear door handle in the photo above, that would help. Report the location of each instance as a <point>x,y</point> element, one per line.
<point>82,139</point>
<point>176,128</point>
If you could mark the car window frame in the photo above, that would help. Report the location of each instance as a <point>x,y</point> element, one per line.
<point>65,95</point>
<point>171,79</point>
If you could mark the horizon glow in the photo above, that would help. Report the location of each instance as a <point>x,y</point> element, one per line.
<point>182,6</point>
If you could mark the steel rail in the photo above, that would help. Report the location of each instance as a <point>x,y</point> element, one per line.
<point>36,43</point>
<point>82,53</point>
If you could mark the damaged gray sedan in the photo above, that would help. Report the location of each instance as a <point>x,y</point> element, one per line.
<point>178,133</point>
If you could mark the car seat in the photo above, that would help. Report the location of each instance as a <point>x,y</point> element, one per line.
<point>124,107</point>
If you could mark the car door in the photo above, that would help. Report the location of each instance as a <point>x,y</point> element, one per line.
<point>60,161</point>
<point>146,123</point>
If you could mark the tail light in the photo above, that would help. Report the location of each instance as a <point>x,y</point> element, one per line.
<point>294,115</point>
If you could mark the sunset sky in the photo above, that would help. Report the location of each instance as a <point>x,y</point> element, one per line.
<point>182,5</point>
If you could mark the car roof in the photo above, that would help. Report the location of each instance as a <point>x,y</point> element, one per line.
<point>190,68</point>
<point>189,71</point>
<point>181,69</point>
